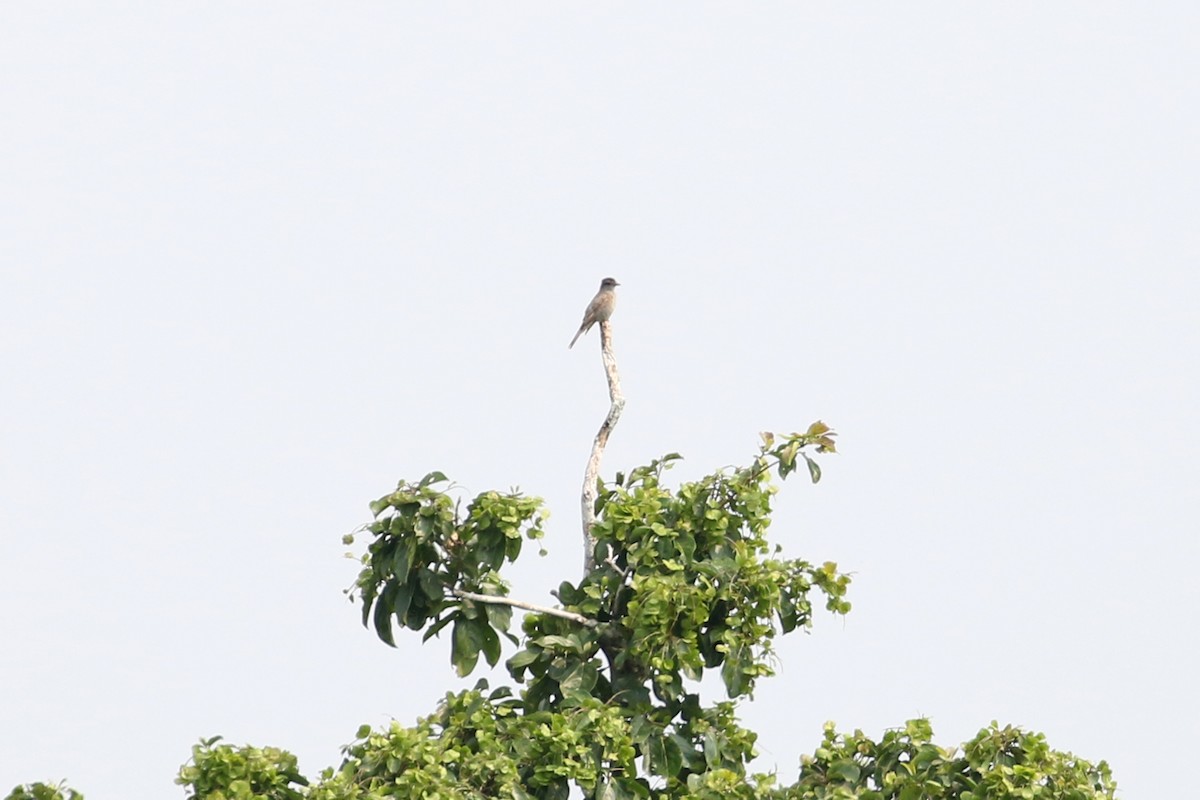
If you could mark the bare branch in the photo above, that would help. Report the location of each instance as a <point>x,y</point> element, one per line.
<point>616,567</point>
<point>508,601</point>
<point>617,404</point>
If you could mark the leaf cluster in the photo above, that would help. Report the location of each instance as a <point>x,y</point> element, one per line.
<point>225,772</point>
<point>606,698</point>
<point>424,552</point>
<point>479,745</point>
<point>686,582</point>
<point>997,764</point>
<point>43,791</point>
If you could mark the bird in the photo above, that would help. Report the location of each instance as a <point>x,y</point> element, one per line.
<point>600,309</point>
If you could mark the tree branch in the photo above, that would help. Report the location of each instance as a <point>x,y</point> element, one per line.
<point>617,404</point>
<point>624,573</point>
<point>508,601</point>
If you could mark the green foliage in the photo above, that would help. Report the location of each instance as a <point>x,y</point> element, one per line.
<point>224,772</point>
<point>423,552</point>
<point>998,764</point>
<point>479,745</point>
<point>606,700</point>
<point>43,791</point>
<point>686,582</point>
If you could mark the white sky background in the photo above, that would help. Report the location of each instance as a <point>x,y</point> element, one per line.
<point>259,261</point>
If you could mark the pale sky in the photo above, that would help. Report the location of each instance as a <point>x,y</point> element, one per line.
<point>260,261</point>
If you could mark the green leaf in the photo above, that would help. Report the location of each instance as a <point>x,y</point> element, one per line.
<point>568,595</point>
<point>490,642</point>
<point>688,753</point>
<point>403,600</point>
<point>559,642</point>
<point>582,678</point>
<point>499,616</point>
<point>368,602</point>
<point>673,757</point>
<point>609,790</point>
<point>383,615</point>
<point>438,625</point>
<point>846,770</point>
<point>655,754</point>
<point>431,583</point>
<point>733,672</point>
<point>464,650</point>
<point>522,658</point>
<point>433,477</point>
<point>402,560</point>
<point>814,469</point>
<point>789,617</point>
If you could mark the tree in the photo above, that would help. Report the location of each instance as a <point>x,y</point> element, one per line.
<point>43,791</point>
<point>605,698</point>
<point>685,582</point>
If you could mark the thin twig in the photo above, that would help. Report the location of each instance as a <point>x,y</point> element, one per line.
<point>622,572</point>
<point>508,601</point>
<point>617,404</point>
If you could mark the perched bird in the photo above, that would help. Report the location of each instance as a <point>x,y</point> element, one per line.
<point>600,309</point>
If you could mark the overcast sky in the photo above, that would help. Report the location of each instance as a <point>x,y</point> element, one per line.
<point>259,261</point>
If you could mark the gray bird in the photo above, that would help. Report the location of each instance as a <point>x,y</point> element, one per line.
<point>600,309</point>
